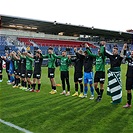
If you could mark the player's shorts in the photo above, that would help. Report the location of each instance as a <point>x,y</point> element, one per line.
<point>129,83</point>
<point>78,77</point>
<point>37,75</point>
<point>64,75</point>
<point>19,74</point>
<point>16,72</point>
<point>23,75</point>
<point>29,73</point>
<point>88,78</point>
<point>99,77</point>
<point>1,70</point>
<point>51,72</point>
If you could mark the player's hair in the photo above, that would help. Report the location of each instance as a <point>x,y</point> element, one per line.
<point>85,52</point>
<point>38,52</point>
<point>115,48</point>
<point>81,51</point>
<point>64,51</point>
<point>50,48</point>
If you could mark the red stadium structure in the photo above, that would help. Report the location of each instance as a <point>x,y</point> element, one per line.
<point>49,42</point>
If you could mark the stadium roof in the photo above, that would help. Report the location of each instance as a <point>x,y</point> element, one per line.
<point>56,28</point>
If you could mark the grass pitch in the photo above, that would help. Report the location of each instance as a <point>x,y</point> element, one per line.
<point>46,113</point>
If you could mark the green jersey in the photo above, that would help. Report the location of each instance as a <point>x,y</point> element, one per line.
<point>100,59</point>
<point>64,62</point>
<point>51,60</point>
<point>29,63</point>
<point>15,64</point>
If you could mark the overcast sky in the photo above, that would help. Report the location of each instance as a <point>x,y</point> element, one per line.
<point>104,14</point>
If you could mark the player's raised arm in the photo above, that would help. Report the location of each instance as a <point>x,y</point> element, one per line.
<point>29,55</point>
<point>15,56</point>
<point>123,51</point>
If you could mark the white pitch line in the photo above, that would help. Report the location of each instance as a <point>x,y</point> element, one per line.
<point>14,126</point>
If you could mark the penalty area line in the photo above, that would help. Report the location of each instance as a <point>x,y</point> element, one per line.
<point>14,126</point>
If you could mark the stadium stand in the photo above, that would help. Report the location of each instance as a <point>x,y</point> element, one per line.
<point>50,42</point>
<point>26,41</point>
<point>3,40</point>
<point>59,45</point>
<point>15,43</point>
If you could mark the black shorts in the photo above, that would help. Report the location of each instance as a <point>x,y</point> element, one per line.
<point>23,75</point>
<point>1,70</point>
<point>129,83</point>
<point>16,72</point>
<point>51,72</point>
<point>37,75</point>
<point>29,73</point>
<point>99,77</point>
<point>64,75</point>
<point>78,77</point>
<point>19,72</point>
